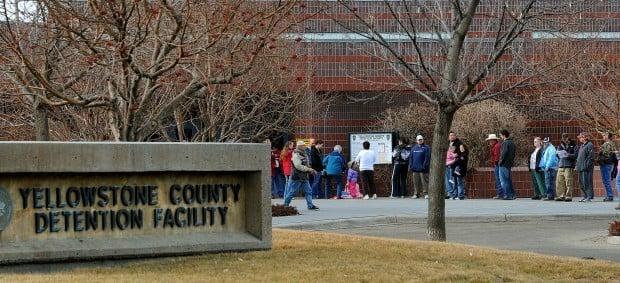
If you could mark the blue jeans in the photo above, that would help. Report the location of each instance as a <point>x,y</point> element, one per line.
<point>498,183</point>
<point>450,186</point>
<point>293,190</point>
<point>460,186</point>
<point>618,183</point>
<point>287,184</point>
<point>328,185</point>
<point>550,182</point>
<point>606,178</point>
<point>316,185</point>
<point>506,179</point>
<point>276,186</point>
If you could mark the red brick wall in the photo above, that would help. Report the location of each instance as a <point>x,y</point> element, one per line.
<point>481,183</point>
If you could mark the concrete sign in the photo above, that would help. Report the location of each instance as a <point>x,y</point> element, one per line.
<point>75,201</point>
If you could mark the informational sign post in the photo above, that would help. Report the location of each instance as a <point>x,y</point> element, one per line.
<point>380,142</point>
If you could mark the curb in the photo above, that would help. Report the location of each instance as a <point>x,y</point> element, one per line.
<point>408,219</point>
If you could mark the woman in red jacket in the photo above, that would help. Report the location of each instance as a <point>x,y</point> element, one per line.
<point>286,157</point>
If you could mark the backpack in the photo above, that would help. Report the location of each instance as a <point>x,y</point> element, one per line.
<point>403,155</point>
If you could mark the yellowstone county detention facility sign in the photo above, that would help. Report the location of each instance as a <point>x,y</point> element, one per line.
<point>74,201</point>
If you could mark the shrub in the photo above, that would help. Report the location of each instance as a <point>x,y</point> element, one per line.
<point>472,124</point>
<point>410,121</point>
<point>281,210</point>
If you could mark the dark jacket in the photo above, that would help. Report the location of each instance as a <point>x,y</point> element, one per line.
<point>420,158</point>
<point>585,157</point>
<point>571,149</point>
<point>316,159</point>
<point>507,153</point>
<point>457,144</point>
<point>461,162</point>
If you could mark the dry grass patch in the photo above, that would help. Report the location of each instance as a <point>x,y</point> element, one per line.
<point>306,257</point>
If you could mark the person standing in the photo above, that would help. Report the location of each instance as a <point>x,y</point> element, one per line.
<point>451,186</point>
<point>538,175</point>
<point>334,167</point>
<point>286,157</point>
<point>459,176</point>
<point>367,159</point>
<point>567,154</point>
<point>400,158</point>
<point>506,161</point>
<point>494,150</point>
<point>419,164</point>
<point>277,190</point>
<point>316,162</point>
<point>585,167</point>
<point>352,184</point>
<point>548,163</point>
<point>299,177</point>
<point>606,164</point>
<point>451,156</point>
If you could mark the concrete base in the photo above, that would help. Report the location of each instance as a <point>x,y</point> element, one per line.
<point>136,247</point>
<point>614,240</point>
<point>64,201</point>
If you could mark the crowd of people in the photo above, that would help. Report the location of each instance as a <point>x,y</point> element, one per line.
<point>551,169</point>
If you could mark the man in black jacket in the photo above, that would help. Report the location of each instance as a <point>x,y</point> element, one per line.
<point>316,162</point>
<point>506,161</point>
<point>567,154</point>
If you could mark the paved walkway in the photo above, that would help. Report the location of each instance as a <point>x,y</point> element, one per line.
<point>339,213</point>
<point>547,227</point>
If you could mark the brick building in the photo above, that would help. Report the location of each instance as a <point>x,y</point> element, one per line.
<point>353,87</point>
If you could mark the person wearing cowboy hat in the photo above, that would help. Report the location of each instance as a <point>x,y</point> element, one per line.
<point>494,149</point>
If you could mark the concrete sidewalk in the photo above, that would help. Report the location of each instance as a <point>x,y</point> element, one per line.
<point>355,212</point>
<point>571,229</point>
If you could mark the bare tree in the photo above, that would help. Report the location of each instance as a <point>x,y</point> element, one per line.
<point>145,62</point>
<point>591,92</point>
<point>452,53</point>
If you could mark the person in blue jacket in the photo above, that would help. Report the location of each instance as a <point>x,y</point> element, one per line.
<point>419,164</point>
<point>334,167</point>
<point>548,163</point>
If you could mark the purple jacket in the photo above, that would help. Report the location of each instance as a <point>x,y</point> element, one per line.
<point>352,176</point>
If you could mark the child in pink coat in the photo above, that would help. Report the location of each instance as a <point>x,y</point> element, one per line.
<point>352,187</point>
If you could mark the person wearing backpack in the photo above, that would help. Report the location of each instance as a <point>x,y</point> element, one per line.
<point>400,159</point>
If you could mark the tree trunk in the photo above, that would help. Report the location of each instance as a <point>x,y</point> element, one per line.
<point>41,126</point>
<point>437,185</point>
